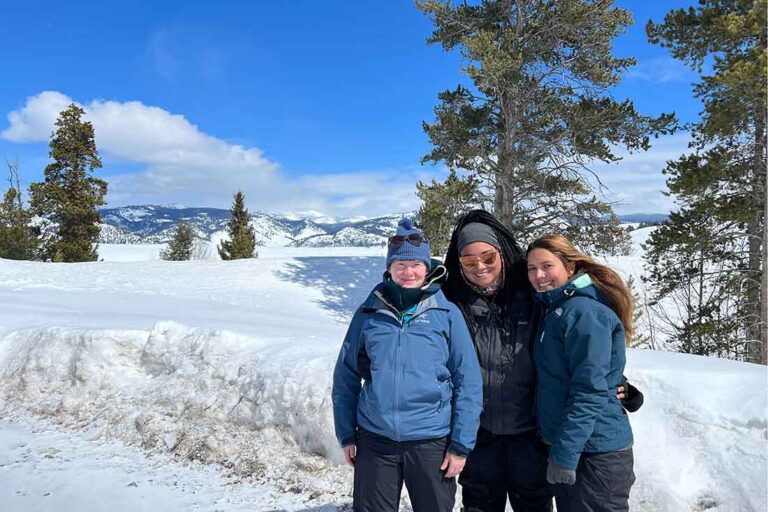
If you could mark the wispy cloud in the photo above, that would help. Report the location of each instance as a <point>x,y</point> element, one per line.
<point>164,54</point>
<point>187,52</point>
<point>182,164</point>
<point>636,182</point>
<point>661,70</point>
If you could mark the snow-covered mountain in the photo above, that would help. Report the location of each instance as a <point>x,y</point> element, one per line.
<point>116,235</point>
<point>151,224</point>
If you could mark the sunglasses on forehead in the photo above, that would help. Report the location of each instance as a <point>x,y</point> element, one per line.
<point>486,258</point>
<point>413,239</point>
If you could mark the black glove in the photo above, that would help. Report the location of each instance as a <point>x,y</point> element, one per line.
<point>633,398</point>
<point>557,474</point>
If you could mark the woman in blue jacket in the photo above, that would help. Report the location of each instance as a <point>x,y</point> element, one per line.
<point>407,391</point>
<point>580,358</point>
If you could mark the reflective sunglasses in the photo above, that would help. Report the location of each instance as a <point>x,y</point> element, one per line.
<point>486,257</point>
<point>399,240</point>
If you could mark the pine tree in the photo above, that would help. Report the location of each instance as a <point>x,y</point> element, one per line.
<point>181,245</point>
<point>242,239</point>
<point>18,238</point>
<point>442,205</point>
<point>69,195</point>
<point>540,110</point>
<point>642,338</point>
<point>723,184</point>
<point>601,235</point>
<point>695,294</point>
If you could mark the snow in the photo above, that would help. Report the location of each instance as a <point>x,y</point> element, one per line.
<point>124,252</point>
<point>640,236</point>
<point>43,467</point>
<point>138,384</point>
<point>134,213</point>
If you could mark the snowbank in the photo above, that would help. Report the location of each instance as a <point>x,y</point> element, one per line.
<point>204,395</point>
<point>700,438</point>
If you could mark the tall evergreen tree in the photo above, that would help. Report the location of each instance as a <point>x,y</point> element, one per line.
<point>242,239</point>
<point>442,204</point>
<point>644,336</point>
<point>691,272</point>
<point>181,245</point>
<point>18,238</point>
<point>723,183</point>
<point>540,110</point>
<point>69,195</point>
<point>602,235</point>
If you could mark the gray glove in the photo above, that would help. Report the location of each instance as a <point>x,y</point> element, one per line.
<point>557,474</point>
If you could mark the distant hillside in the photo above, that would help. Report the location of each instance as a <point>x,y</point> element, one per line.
<point>643,217</point>
<point>151,224</point>
<point>146,224</point>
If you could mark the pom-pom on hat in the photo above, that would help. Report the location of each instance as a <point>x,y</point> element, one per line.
<point>408,250</point>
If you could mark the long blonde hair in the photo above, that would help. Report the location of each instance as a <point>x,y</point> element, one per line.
<point>610,284</point>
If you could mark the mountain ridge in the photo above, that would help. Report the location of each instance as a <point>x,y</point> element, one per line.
<point>154,224</point>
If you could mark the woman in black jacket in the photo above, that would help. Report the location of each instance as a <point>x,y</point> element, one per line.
<point>487,280</point>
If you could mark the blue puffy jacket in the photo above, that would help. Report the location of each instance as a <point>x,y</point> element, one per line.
<point>421,379</point>
<point>580,358</point>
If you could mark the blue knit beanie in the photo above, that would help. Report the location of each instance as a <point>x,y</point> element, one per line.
<point>408,251</point>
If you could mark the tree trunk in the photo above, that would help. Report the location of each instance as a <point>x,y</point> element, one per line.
<point>505,177</point>
<point>757,289</point>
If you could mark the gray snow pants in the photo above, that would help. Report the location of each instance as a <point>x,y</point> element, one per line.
<point>383,465</point>
<point>603,481</point>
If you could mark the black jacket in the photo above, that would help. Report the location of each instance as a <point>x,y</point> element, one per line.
<point>503,339</point>
<point>503,328</point>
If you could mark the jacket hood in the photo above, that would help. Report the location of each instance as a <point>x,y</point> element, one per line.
<point>515,276</point>
<point>580,285</point>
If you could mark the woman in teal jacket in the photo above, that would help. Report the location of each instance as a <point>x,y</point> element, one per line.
<point>580,358</point>
<point>407,391</point>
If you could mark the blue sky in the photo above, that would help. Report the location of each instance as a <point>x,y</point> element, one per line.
<point>305,105</point>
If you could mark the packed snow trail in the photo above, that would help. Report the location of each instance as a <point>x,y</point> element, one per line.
<point>45,469</point>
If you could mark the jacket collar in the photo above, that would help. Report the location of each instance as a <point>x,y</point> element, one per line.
<point>580,284</point>
<point>431,299</point>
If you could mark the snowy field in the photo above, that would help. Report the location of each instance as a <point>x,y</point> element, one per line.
<point>136,384</point>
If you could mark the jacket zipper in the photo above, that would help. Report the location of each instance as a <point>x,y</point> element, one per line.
<point>533,357</point>
<point>395,413</point>
<point>397,382</point>
<point>489,326</point>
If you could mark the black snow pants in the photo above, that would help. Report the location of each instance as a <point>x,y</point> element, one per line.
<point>383,465</point>
<point>506,466</point>
<point>603,481</point>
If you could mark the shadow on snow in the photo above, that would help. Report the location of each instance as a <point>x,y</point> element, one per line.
<point>345,281</point>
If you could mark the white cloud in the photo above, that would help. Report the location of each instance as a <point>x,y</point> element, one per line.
<point>35,121</point>
<point>182,164</point>
<point>636,182</point>
<point>662,70</point>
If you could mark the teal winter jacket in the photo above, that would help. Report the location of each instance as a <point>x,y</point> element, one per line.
<point>408,379</point>
<point>580,358</point>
